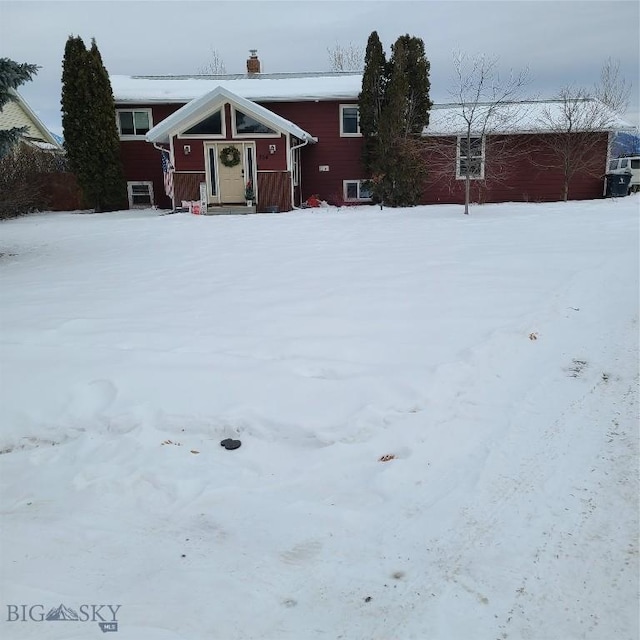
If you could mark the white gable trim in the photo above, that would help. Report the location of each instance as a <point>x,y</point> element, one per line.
<point>201,107</point>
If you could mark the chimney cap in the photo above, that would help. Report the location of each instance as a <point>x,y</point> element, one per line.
<point>253,52</point>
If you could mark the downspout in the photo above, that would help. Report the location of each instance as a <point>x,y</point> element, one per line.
<point>295,148</point>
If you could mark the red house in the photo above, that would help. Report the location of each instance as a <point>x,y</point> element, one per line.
<point>278,139</point>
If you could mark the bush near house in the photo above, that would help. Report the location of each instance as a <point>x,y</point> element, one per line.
<point>32,179</point>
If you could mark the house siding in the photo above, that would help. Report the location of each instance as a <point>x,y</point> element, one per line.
<point>186,186</point>
<point>274,190</point>
<point>523,179</point>
<point>141,161</point>
<point>13,115</point>
<point>341,154</point>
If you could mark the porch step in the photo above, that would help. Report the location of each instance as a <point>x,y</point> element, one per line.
<point>232,209</point>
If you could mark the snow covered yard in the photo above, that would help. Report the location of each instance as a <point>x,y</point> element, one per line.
<point>438,417</point>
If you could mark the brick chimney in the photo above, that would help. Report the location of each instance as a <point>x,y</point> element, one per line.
<point>253,63</point>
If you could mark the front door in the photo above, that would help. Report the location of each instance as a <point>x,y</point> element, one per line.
<point>231,179</point>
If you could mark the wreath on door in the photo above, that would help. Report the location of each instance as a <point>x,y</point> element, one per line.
<point>230,156</point>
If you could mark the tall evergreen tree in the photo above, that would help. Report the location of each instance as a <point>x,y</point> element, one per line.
<point>75,89</point>
<point>89,124</point>
<point>409,61</point>
<point>395,104</point>
<point>108,189</point>
<point>371,98</point>
<point>12,75</point>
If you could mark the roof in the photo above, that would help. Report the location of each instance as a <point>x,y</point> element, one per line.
<point>527,116</point>
<point>201,107</point>
<point>275,87</point>
<point>18,113</point>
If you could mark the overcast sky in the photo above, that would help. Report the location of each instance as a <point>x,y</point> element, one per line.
<point>560,42</point>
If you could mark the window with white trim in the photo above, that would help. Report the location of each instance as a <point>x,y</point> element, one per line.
<point>470,158</point>
<point>210,126</point>
<point>246,125</point>
<point>295,168</point>
<point>133,123</point>
<point>354,190</point>
<point>140,194</point>
<point>349,120</point>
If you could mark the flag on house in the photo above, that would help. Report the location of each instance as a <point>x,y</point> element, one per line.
<point>167,172</point>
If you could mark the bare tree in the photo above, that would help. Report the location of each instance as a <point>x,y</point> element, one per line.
<point>485,108</point>
<point>215,65</point>
<point>612,90</point>
<point>577,130</point>
<point>579,123</point>
<point>346,58</point>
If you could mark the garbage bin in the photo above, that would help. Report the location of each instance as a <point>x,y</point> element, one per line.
<point>617,184</point>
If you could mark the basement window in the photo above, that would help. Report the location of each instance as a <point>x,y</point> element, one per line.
<point>140,195</point>
<point>470,158</point>
<point>355,190</point>
<point>133,124</point>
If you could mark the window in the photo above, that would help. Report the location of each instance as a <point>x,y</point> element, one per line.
<point>211,126</point>
<point>213,186</point>
<point>134,123</point>
<point>247,125</point>
<point>470,158</point>
<point>356,190</point>
<point>623,163</point>
<point>635,163</point>
<point>295,167</point>
<point>349,120</point>
<point>249,176</point>
<point>613,165</point>
<point>140,195</point>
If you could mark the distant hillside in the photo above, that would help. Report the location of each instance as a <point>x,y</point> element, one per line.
<point>626,144</point>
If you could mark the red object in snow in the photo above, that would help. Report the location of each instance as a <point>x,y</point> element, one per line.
<point>313,201</point>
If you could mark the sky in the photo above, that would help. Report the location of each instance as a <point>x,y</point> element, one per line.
<point>560,42</point>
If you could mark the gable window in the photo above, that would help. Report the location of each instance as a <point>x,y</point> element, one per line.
<point>349,120</point>
<point>470,158</point>
<point>133,123</point>
<point>356,190</point>
<point>140,195</point>
<point>246,125</point>
<point>210,126</point>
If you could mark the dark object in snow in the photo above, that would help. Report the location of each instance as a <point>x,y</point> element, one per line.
<point>230,444</point>
<point>368,599</point>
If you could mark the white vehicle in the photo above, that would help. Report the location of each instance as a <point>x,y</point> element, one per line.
<point>628,165</point>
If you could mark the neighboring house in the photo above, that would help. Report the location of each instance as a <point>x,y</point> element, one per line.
<point>52,186</point>
<point>293,136</point>
<point>17,113</point>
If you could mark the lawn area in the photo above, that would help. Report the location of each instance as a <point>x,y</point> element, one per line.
<point>438,417</point>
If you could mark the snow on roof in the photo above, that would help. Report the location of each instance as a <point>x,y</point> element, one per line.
<point>277,87</point>
<point>45,146</point>
<point>528,116</point>
<point>199,108</point>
